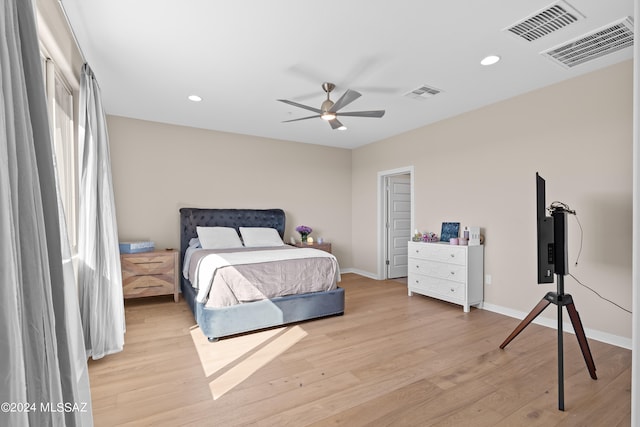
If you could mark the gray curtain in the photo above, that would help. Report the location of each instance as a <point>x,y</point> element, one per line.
<point>100,277</point>
<point>43,366</point>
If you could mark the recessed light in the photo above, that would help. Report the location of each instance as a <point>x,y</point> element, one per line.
<point>490,60</point>
<point>195,98</point>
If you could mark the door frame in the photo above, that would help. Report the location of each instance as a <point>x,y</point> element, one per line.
<point>382,213</point>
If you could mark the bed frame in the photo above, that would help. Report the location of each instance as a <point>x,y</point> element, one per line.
<point>216,323</point>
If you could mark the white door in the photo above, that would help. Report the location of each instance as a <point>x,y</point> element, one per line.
<point>398,224</point>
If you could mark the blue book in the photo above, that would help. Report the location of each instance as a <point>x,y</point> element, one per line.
<point>136,247</point>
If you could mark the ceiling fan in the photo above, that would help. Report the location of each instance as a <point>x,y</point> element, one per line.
<point>329,110</point>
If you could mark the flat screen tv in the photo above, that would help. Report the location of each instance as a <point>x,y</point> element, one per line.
<point>545,239</point>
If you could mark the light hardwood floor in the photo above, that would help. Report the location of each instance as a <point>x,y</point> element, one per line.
<point>390,360</point>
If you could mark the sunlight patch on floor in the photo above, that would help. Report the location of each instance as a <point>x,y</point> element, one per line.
<point>242,351</point>
<point>214,356</point>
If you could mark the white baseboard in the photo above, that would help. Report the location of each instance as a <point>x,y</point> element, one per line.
<point>549,323</point>
<point>567,327</point>
<point>360,272</point>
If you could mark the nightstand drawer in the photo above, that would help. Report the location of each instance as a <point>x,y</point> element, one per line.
<point>150,274</point>
<point>149,264</point>
<point>144,286</point>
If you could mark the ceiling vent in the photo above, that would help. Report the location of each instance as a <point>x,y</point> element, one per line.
<point>423,92</point>
<point>548,20</point>
<point>603,41</point>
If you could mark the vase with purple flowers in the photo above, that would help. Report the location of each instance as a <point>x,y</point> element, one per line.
<point>304,232</point>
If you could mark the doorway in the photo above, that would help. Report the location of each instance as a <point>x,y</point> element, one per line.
<point>395,221</point>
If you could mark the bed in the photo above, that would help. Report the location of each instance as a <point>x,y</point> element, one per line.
<point>223,321</point>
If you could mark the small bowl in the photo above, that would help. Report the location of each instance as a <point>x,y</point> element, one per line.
<point>453,241</point>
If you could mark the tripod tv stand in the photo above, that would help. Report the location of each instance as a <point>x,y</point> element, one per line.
<point>558,255</point>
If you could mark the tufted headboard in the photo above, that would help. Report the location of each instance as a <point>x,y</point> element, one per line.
<point>190,218</point>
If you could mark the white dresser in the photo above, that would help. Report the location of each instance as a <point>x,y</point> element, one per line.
<point>447,272</point>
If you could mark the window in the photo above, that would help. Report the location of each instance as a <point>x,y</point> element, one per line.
<point>60,101</point>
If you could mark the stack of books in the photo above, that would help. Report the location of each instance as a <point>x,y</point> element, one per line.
<point>137,246</point>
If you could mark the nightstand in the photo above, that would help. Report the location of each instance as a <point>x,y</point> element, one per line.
<point>150,273</point>
<point>324,246</point>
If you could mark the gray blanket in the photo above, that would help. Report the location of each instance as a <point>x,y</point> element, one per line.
<point>228,277</point>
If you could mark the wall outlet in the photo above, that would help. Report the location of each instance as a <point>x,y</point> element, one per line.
<point>487,279</point>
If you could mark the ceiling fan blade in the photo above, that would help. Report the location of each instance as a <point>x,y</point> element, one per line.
<point>335,124</point>
<point>374,113</point>
<point>347,98</point>
<point>302,118</point>
<point>296,104</point>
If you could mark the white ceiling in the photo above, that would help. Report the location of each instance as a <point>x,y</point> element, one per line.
<point>241,56</point>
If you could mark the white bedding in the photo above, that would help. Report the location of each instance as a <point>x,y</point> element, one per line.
<point>224,278</point>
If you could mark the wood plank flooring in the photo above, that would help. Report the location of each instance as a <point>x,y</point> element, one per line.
<point>391,360</point>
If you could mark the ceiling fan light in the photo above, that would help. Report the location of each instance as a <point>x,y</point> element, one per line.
<point>343,127</point>
<point>327,115</point>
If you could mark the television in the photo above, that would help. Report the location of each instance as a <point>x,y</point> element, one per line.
<point>545,232</point>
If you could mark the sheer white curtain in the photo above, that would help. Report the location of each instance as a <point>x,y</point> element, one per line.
<point>43,366</point>
<point>100,277</point>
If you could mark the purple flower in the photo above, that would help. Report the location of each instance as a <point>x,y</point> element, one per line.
<point>303,229</point>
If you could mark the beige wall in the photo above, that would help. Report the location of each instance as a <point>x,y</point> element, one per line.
<point>479,168</point>
<point>159,168</point>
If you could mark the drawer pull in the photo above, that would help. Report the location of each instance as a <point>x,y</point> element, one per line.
<point>147,287</point>
<point>453,290</point>
<point>452,255</point>
<point>453,273</point>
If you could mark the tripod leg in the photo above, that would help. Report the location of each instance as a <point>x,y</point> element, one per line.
<point>582,339</point>
<point>525,322</point>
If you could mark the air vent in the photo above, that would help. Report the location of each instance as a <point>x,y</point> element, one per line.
<point>423,92</point>
<point>546,21</point>
<point>604,41</point>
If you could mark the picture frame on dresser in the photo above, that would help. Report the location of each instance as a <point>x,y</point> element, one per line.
<point>450,230</point>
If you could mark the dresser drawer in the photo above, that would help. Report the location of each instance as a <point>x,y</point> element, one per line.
<point>440,288</point>
<point>450,254</point>
<point>453,272</point>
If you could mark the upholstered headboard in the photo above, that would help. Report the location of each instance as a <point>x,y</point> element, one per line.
<point>190,218</point>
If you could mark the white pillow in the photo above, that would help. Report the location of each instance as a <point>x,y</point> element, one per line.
<point>218,237</point>
<point>260,237</point>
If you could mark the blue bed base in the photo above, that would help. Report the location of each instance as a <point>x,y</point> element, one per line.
<point>217,323</point>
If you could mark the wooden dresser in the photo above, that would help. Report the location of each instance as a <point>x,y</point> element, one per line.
<point>150,273</point>
<point>447,272</point>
